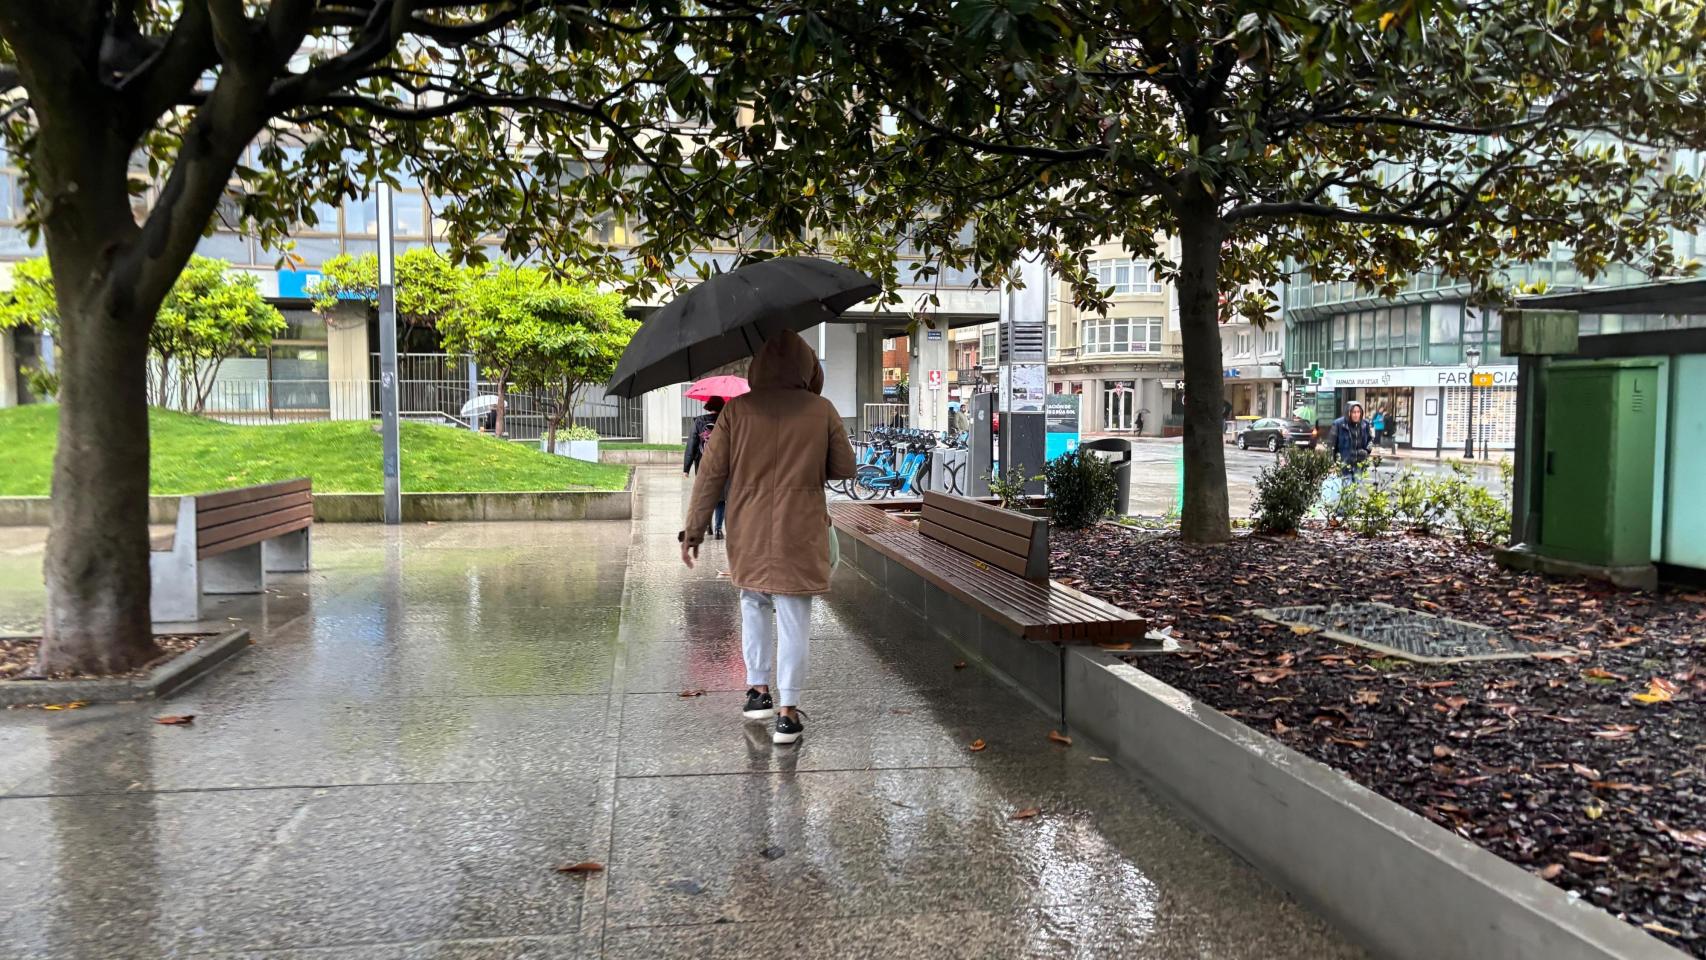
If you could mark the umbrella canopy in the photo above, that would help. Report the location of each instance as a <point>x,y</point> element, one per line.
<point>731,315</point>
<point>726,387</point>
<point>485,403</point>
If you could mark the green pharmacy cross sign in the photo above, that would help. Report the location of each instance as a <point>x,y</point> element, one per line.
<point>1315,374</point>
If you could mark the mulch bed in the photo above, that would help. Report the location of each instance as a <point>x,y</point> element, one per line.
<point>1588,767</point>
<point>18,657</point>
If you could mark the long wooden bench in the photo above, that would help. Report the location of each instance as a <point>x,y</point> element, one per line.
<point>227,542</point>
<point>992,560</point>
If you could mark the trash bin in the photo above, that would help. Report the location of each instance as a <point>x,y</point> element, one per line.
<point>1118,450</point>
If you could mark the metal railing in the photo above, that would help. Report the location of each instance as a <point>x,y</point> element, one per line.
<point>883,415</point>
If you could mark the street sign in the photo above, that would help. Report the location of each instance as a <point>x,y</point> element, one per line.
<point>932,334</point>
<point>934,379</point>
<point>1481,379</point>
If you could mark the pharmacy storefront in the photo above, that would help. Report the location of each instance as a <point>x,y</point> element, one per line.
<point>1432,407</point>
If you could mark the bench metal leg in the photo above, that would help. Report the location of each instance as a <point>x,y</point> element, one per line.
<point>286,553</point>
<point>236,572</point>
<point>175,588</point>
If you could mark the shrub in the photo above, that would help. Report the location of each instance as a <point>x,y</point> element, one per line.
<point>579,432</point>
<point>1367,506</point>
<point>42,383</point>
<point>1009,488</point>
<point>1082,489</point>
<point>1288,490</point>
<point>1481,515</point>
<point>1422,504</point>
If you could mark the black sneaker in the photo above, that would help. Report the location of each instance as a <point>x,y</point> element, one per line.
<point>789,728</point>
<point>759,706</point>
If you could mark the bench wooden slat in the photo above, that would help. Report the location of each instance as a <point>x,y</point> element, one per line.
<point>230,536</point>
<point>994,556</point>
<point>266,533</point>
<point>1011,543</point>
<point>1015,523</point>
<point>225,498</point>
<point>1038,610</point>
<point>206,519</point>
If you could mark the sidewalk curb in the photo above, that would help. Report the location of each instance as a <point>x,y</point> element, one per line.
<point>162,681</point>
<point>417,507</point>
<point>1402,886</point>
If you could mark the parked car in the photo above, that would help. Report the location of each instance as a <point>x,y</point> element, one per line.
<point>1271,432</point>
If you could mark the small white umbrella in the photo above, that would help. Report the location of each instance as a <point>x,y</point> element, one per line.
<point>484,403</point>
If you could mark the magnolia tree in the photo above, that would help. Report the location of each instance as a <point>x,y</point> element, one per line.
<point>1236,143</point>
<point>535,116</point>
<point>427,286</point>
<point>211,313</point>
<point>542,336</point>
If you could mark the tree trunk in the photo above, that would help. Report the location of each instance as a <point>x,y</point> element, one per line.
<point>503,396</point>
<point>97,617</point>
<point>1205,518</point>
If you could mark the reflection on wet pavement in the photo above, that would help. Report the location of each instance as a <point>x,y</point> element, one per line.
<point>437,716</point>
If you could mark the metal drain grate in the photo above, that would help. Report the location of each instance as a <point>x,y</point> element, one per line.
<point>1409,634</point>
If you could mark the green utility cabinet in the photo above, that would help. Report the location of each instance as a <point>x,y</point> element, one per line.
<point>1597,465</point>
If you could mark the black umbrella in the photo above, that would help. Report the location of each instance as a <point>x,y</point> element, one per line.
<point>731,315</point>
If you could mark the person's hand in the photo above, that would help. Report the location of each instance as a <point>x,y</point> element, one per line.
<point>689,554</point>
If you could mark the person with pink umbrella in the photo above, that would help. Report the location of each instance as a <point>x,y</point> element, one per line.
<point>714,391</point>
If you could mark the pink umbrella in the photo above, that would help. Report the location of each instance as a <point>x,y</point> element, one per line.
<point>726,387</point>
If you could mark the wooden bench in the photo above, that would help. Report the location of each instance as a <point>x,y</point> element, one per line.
<point>226,542</point>
<point>994,561</point>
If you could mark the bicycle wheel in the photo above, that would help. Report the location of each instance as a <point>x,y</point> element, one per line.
<point>867,482</point>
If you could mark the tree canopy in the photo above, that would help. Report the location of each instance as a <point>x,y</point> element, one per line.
<point>1240,143</point>
<point>540,335</point>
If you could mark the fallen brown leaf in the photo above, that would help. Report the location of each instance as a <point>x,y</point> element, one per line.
<point>1026,813</point>
<point>1345,741</point>
<point>582,868</point>
<point>1692,838</point>
<point>1584,771</point>
<point>1659,690</point>
<point>73,705</point>
<point>1060,738</point>
<point>1273,676</point>
<point>690,694</point>
<point>1620,786</point>
<point>1303,629</point>
<point>1442,751</point>
<point>1367,698</point>
<point>183,720</point>
<point>959,665</point>
<point>1657,927</point>
<point>1588,857</point>
<point>1439,684</point>
<point>1551,870</point>
<point>1617,731</point>
<point>976,745</point>
<point>1598,673</point>
<point>1121,645</point>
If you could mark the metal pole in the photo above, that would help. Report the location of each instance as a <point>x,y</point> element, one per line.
<point>393,504</point>
<point>473,391</point>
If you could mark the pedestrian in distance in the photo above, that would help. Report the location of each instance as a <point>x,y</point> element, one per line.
<point>772,451</point>
<point>1352,440</point>
<point>698,439</point>
<point>1378,423</point>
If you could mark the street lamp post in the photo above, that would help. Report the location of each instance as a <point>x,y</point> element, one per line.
<point>1472,357</point>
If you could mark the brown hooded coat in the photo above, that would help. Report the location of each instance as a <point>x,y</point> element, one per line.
<point>772,450</point>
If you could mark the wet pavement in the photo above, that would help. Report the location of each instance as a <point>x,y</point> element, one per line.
<point>437,716</point>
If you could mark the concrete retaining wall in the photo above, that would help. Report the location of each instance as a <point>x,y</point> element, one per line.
<point>607,455</point>
<point>417,507</point>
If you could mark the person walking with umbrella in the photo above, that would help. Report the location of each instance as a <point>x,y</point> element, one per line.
<point>697,442</point>
<point>772,451</point>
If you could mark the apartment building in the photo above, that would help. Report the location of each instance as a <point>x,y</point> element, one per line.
<point>1252,372</point>
<point>1125,364</point>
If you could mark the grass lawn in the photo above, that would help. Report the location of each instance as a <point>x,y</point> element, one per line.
<point>195,455</point>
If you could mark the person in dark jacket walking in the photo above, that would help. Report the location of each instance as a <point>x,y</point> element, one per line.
<point>697,441</point>
<point>1352,440</point>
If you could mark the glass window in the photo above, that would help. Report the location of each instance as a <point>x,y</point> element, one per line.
<point>362,216</point>
<point>317,250</point>
<point>230,247</point>
<point>1447,323</point>
<point>1413,326</point>
<point>325,219</point>
<point>409,211</point>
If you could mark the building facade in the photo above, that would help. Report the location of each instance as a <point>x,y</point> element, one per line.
<point>1125,365</point>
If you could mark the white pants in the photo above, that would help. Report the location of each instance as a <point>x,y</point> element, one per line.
<point>760,614</point>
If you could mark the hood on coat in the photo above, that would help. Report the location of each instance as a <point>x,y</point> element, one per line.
<point>786,362</point>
